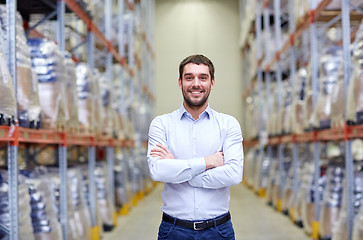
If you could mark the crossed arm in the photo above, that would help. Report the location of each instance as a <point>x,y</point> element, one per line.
<point>222,169</point>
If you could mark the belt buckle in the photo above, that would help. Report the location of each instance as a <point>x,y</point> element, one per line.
<point>195,225</point>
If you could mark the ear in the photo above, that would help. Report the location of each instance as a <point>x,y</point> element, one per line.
<point>212,84</point>
<point>180,83</point>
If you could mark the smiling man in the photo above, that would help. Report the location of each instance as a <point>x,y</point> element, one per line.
<point>197,152</point>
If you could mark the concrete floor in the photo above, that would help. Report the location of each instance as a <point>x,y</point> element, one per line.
<point>251,217</point>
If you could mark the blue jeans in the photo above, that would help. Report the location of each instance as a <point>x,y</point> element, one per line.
<point>169,231</point>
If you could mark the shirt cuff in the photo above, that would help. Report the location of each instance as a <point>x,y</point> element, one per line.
<point>197,165</point>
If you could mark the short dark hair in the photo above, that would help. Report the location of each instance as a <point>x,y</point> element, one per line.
<point>196,59</point>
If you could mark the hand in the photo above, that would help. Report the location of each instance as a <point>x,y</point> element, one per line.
<point>161,152</point>
<point>215,160</point>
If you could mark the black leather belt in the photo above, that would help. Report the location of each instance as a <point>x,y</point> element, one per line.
<point>197,225</point>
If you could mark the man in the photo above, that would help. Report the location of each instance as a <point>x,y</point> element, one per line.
<point>197,152</point>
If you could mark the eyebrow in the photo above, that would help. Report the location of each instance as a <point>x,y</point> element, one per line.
<point>202,74</point>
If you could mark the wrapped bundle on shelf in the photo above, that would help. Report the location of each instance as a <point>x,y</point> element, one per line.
<point>54,180</point>
<point>249,163</point>
<point>44,217</point>
<point>25,225</point>
<point>286,124</point>
<point>354,110</point>
<point>262,174</point>
<point>307,193</point>
<point>340,228</point>
<point>330,62</point>
<point>106,106</point>
<point>81,212</point>
<point>332,201</point>
<point>49,65</point>
<point>337,102</point>
<point>272,185</point>
<point>308,101</point>
<point>86,98</point>
<point>120,173</point>
<point>7,103</point>
<point>105,207</point>
<point>71,99</point>
<point>272,124</point>
<point>27,85</point>
<point>297,107</point>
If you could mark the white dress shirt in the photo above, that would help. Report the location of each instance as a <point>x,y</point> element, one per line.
<point>191,192</point>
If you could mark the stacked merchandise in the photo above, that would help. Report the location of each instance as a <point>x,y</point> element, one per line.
<point>71,99</point>
<point>330,62</point>
<point>27,85</point>
<point>7,103</point>
<point>88,100</point>
<point>81,211</point>
<point>48,63</point>
<point>85,191</point>
<point>307,194</point>
<point>261,172</point>
<point>272,185</point>
<point>25,225</point>
<point>43,207</point>
<point>355,97</point>
<point>332,199</point>
<point>249,162</point>
<point>120,173</point>
<point>105,207</point>
<point>297,108</point>
<point>53,175</point>
<point>107,113</point>
<point>285,127</point>
<point>340,229</point>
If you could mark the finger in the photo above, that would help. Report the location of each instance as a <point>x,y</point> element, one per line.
<point>163,147</point>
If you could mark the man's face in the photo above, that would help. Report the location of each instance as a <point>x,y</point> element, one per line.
<point>196,84</point>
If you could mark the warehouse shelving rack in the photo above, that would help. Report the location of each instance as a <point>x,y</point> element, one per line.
<point>296,30</point>
<point>15,135</point>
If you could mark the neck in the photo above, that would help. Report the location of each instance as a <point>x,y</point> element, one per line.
<point>195,111</point>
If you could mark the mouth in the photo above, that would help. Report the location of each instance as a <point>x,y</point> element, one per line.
<point>196,92</point>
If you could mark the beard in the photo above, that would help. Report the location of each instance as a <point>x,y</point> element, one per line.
<point>196,103</point>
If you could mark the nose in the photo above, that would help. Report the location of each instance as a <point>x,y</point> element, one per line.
<point>196,82</point>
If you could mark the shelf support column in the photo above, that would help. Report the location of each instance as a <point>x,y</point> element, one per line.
<point>349,170</point>
<point>95,231</point>
<point>13,146</point>
<point>278,40</point>
<point>295,156</point>
<point>62,158</point>
<point>259,89</point>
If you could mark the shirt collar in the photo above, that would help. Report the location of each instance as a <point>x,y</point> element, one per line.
<point>183,111</point>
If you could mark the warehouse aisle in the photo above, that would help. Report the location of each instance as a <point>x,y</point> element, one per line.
<point>251,217</point>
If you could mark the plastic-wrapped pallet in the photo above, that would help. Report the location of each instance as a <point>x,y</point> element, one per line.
<point>297,108</point>
<point>106,112</point>
<point>286,124</point>
<point>330,62</point>
<point>54,180</point>
<point>25,225</point>
<point>71,99</point>
<point>332,200</point>
<point>44,217</point>
<point>272,124</point>
<point>81,212</point>
<point>307,193</point>
<point>27,85</point>
<point>337,102</point>
<point>105,207</point>
<point>48,63</point>
<point>340,229</point>
<point>120,173</point>
<point>7,103</point>
<point>87,98</point>
<point>355,90</point>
